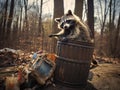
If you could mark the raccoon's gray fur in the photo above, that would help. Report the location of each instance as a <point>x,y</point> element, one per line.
<point>72,28</point>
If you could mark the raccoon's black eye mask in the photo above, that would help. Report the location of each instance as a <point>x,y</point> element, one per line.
<point>71,21</point>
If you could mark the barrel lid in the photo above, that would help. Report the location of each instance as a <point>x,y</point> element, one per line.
<point>77,42</point>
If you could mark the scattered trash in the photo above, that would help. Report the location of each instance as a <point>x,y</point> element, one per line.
<point>43,69</point>
<point>6,70</point>
<point>51,56</point>
<point>8,50</point>
<point>30,71</point>
<point>8,57</point>
<point>11,57</point>
<point>100,60</point>
<point>94,62</point>
<point>21,70</point>
<point>34,56</point>
<point>12,83</point>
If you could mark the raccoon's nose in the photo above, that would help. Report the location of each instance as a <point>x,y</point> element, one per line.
<point>65,27</point>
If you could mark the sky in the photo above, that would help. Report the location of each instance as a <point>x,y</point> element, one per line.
<point>48,5</point>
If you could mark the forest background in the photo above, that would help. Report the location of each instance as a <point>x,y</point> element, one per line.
<point>26,24</point>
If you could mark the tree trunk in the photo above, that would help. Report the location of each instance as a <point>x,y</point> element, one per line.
<point>110,29</point>
<point>114,11</point>
<point>116,47</point>
<point>15,33</point>
<point>58,12</point>
<point>26,19</point>
<point>40,26</point>
<point>10,18</point>
<point>115,37</point>
<point>5,15</point>
<point>90,16</point>
<point>21,11</point>
<point>40,17</point>
<point>3,21</point>
<point>79,8</point>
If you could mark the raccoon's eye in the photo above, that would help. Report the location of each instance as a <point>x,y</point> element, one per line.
<point>70,21</point>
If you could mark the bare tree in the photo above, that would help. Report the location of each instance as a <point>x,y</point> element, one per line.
<point>109,33</point>
<point>104,13</point>
<point>112,28</point>
<point>3,20</point>
<point>90,16</point>
<point>40,17</point>
<point>10,18</point>
<point>26,19</point>
<point>21,11</point>
<point>40,26</point>
<point>103,16</point>
<point>79,8</point>
<point>5,15</point>
<point>58,12</point>
<point>117,40</point>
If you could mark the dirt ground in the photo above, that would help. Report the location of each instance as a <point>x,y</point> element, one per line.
<point>106,77</point>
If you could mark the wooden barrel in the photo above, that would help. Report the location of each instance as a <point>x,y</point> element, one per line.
<point>73,62</point>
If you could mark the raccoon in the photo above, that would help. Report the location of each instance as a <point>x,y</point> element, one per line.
<point>72,28</point>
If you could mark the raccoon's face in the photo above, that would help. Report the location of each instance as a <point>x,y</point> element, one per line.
<point>67,21</point>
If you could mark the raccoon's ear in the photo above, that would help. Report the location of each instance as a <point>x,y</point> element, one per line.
<point>69,13</point>
<point>57,20</point>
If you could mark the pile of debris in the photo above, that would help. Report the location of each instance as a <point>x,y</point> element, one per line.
<point>11,57</point>
<point>20,71</point>
<point>8,57</point>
